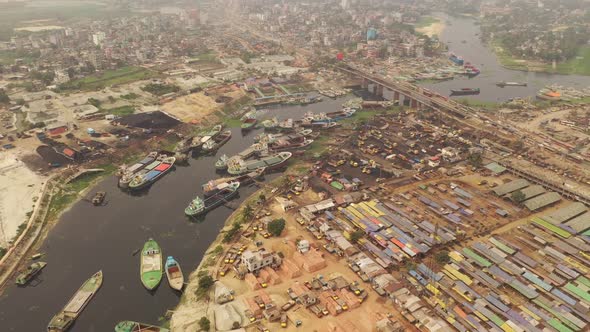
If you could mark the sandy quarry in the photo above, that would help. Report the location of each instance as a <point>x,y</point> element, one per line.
<point>192,107</point>
<point>19,187</point>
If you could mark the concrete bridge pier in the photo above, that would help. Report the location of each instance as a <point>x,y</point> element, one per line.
<point>396,97</point>
<point>365,84</point>
<point>413,103</point>
<point>379,91</point>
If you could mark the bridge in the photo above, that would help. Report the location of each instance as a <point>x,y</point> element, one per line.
<point>419,97</point>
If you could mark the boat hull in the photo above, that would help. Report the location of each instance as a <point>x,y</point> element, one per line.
<point>151,265</point>
<point>174,274</point>
<point>147,182</point>
<point>34,269</point>
<point>465,92</point>
<point>212,202</point>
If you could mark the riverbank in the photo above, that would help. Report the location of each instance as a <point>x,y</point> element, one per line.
<point>580,65</point>
<point>430,26</point>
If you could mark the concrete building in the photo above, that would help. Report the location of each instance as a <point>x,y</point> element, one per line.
<point>256,260</point>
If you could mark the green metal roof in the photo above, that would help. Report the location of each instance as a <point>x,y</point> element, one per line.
<point>477,258</point>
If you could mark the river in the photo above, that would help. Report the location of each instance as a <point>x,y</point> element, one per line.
<point>459,29</point>
<point>89,238</point>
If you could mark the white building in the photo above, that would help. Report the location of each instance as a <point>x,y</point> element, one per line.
<point>256,260</point>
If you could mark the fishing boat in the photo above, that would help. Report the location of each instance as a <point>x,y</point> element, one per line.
<point>126,175</point>
<point>503,84</point>
<point>32,270</point>
<point>64,319</point>
<point>150,175</point>
<point>199,205</point>
<point>174,274</point>
<point>239,166</point>
<point>221,163</point>
<point>214,186</point>
<point>151,265</point>
<point>129,326</point>
<point>248,123</point>
<point>98,198</point>
<point>464,91</point>
<point>217,141</point>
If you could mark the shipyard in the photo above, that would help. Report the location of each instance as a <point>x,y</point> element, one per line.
<point>341,165</point>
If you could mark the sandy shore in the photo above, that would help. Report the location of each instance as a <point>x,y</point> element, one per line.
<point>435,29</point>
<point>19,188</point>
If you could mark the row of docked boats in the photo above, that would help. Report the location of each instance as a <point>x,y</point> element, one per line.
<point>309,120</point>
<point>151,267</point>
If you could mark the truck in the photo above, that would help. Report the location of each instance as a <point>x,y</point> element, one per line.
<point>283,320</point>
<point>288,305</point>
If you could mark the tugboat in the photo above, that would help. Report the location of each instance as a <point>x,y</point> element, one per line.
<point>29,273</point>
<point>174,274</point>
<point>151,265</point>
<point>217,141</point>
<point>464,91</point>
<point>199,206</point>
<point>65,318</point>
<point>129,326</point>
<point>98,198</point>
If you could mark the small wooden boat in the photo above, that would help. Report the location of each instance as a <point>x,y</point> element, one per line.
<point>99,198</point>
<point>129,326</point>
<point>174,274</point>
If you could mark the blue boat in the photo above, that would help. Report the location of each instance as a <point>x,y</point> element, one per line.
<point>456,59</point>
<point>174,274</point>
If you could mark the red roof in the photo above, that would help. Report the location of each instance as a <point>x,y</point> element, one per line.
<point>69,152</point>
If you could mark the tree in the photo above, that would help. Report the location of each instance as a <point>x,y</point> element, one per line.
<point>94,102</point>
<point>517,196</point>
<point>204,324</point>
<point>475,159</point>
<point>442,257</point>
<point>356,235</point>
<point>276,226</point>
<point>205,282</point>
<point>248,212</point>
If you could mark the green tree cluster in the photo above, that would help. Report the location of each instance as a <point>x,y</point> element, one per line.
<point>276,226</point>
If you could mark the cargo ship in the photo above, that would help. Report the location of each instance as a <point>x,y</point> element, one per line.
<point>23,278</point>
<point>129,326</point>
<point>312,118</point>
<point>503,84</point>
<point>456,59</point>
<point>199,206</point>
<point>214,186</point>
<point>289,142</point>
<point>237,166</point>
<point>217,141</point>
<point>174,274</point>
<point>150,269</point>
<point>126,175</point>
<point>464,91</point>
<point>221,163</point>
<point>151,174</point>
<point>65,318</point>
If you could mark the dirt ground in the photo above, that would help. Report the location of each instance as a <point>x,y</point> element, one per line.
<point>196,106</point>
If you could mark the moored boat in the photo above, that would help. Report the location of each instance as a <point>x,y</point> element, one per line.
<point>270,124</point>
<point>238,166</point>
<point>465,91</point>
<point>65,318</point>
<point>217,141</point>
<point>289,142</point>
<point>126,175</point>
<point>199,206</point>
<point>221,163</point>
<point>503,84</point>
<point>248,123</point>
<point>549,95</point>
<point>129,326</point>
<point>174,274</point>
<point>148,176</point>
<point>312,118</point>
<point>151,265</point>
<point>32,270</point>
<point>214,186</point>
<point>98,198</point>
<point>456,59</point>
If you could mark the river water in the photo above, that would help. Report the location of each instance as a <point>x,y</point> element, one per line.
<point>89,238</point>
<point>459,29</point>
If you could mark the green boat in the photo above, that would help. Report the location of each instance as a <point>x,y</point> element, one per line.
<point>29,273</point>
<point>248,123</point>
<point>65,318</point>
<point>151,265</point>
<point>221,163</point>
<point>220,196</point>
<point>129,326</point>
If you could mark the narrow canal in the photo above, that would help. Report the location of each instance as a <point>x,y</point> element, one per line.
<point>461,34</point>
<point>88,239</point>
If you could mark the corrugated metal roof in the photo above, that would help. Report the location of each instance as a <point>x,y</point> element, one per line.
<point>580,223</point>
<point>566,213</point>
<point>533,191</point>
<point>495,168</point>
<point>509,187</point>
<point>542,201</point>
